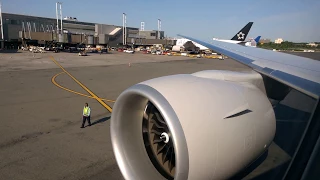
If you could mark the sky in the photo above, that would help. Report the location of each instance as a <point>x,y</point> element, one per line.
<point>292,20</point>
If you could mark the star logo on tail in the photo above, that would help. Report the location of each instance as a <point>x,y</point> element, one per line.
<point>241,35</point>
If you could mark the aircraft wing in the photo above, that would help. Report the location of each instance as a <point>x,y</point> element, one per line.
<point>302,74</point>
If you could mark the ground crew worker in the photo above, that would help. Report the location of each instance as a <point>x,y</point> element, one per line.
<point>86,115</point>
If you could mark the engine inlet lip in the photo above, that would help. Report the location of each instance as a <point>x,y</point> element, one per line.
<point>177,134</point>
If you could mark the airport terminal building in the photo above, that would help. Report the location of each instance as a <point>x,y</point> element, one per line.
<point>20,30</point>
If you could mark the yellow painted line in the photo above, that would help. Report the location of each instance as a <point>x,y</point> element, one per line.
<point>53,80</point>
<point>83,86</point>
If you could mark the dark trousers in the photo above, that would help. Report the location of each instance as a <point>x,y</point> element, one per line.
<point>84,120</point>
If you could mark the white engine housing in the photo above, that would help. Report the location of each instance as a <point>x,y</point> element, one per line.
<point>220,122</point>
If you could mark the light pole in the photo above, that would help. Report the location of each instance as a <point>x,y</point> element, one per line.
<point>142,26</point>
<point>61,16</point>
<point>57,16</point>
<point>141,29</point>
<point>159,28</point>
<point>124,28</point>
<point>1,23</point>
<point>59,12</point>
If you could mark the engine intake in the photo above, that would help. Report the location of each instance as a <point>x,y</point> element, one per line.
<point>158,141</point>
<point>191,127</point>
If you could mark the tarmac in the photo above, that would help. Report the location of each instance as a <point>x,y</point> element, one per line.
<point>42,96</point>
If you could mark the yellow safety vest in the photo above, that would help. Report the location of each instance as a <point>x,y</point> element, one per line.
<point>85,111</point>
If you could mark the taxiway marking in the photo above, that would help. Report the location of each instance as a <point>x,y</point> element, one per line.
<point>53,80</point>
<point>83,86</point>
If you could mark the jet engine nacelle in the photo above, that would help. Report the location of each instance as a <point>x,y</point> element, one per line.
<point>207,125</point>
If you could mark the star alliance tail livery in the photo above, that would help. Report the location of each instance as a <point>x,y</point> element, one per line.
<point>240,36</point>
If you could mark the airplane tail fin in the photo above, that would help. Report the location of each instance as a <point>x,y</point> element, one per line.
<point>257,39</point>
<point>242,34</point>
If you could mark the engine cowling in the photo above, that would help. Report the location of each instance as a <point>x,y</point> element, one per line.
<point>207,125</point>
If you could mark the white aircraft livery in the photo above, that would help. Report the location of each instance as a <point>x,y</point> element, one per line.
<point>239,38</point>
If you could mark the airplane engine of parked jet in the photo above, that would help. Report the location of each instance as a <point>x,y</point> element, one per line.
<point>206,125</point>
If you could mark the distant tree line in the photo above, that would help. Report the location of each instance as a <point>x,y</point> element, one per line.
<point>286,45</point>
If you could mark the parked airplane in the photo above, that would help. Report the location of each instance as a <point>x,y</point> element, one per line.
<point>211,124</point>
<point>257,39</point>
<point>238,38</point>
<point>252,43</point>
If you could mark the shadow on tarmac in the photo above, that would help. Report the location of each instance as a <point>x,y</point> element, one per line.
<point>100,120</point>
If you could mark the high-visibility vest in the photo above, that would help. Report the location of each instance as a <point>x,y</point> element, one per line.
<point>86,111</point>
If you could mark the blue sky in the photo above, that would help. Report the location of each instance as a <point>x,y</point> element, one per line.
<point>292,20</point>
